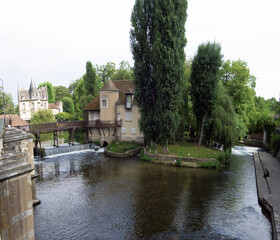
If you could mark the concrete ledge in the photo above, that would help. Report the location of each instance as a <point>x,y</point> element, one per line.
<point>127,154</point>
<point>268,189</point>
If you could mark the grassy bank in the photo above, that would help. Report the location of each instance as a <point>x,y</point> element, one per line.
<point>189,150</point>
<point>184,149</point>
<point>122,147</point>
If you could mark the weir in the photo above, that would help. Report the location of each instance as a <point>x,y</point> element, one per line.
<point>66,149</point>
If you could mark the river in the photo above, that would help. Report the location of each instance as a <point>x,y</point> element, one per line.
<point>88,196</point>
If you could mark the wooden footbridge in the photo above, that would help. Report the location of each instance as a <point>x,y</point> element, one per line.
<point>71,126</point>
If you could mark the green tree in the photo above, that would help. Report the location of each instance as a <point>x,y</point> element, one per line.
<point>42,116</point>
<point>141,38</point>
<point>9,105</point>
<point>90,79</point>
<point>104,72</point>
<point>240,86</point>
<point>124,72</point>
<point>79,92</point>
<point>68,105</point>
<point>50,90</point>
<point>224,119</point>
<point>61,92</point>
<point>159,65</point>
<point>169,58</point>
<point>204,79</point>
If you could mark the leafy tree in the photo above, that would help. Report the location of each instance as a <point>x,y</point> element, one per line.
<point>169,58</point>
<point>104,72</point>
<point>84,100</point>
<point>72,86</point>
<point>240,85</point>
<point>159,65</point>
<point>124,72</point>
<point>61,92</point>
<point>42,116</point>
<point>204,79</point>
<point>50,90</point>
<point>9,105</point>
<point>64,116</point>
<point>77,94</point>
<point>90,80</point>
<point>224,119</point>
<point>68,105</point>
<point>141,38</point>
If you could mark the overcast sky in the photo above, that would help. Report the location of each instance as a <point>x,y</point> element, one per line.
<point>51,40</point>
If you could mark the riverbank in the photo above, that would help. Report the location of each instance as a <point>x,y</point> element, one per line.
<point>268,188</point>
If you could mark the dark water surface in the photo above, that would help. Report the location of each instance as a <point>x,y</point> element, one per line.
<point>89,196</point>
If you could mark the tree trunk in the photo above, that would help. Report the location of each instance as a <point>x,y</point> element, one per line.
<point>201,129</point>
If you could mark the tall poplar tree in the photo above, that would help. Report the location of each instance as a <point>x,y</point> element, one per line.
<point>157,42</point>
<point>204,79</point>
<point>90,80</point>
<point>142,38</point>
<point>169,59</point>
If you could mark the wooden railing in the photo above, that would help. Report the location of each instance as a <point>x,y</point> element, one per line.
<point>68,125</point>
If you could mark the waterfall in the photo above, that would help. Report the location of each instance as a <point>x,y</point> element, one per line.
<point>68,149</point>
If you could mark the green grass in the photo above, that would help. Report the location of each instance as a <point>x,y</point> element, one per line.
<point>184,149</point>
<point>122,147</point>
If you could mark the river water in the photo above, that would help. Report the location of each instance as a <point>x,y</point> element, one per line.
<point>86,195</point>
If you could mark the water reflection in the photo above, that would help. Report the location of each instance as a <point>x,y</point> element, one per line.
<point>89,196</point>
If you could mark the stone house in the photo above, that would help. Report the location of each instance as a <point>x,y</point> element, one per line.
<point>32,100</point>
<point>114,114</point>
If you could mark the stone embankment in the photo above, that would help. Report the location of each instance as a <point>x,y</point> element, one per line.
<point>172,159</point>
<point>269,188</point>
<point>127,154</point>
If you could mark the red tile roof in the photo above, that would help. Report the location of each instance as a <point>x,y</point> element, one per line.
<point>16,120</point>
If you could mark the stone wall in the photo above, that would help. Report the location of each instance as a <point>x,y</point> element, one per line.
<point>16,203</point>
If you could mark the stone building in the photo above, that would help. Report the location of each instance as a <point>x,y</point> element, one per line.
<point>116,114</point>
<point>32,100</point>
<point>16,170</point>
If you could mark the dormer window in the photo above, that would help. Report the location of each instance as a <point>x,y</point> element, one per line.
<point>128,101</point>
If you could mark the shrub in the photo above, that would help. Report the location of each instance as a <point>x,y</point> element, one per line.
<point>211,164</point>
<point>224,158</point>
<point>178,162</point>
<point>275,144</point>
<point>144,157</point>
<point>64,116</point>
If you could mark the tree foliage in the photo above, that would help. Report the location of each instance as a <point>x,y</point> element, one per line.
<point>124,72</point>
<point>68,105</point>
<point>157,42</point>
<point>50,90</point>
<point>9,104</point>
<point>42,116</point>
<point>61,92</point>
<point>204,79</point>
<point>104,72</point>
<point>90,79</point>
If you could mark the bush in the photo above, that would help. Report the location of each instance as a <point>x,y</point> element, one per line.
<point>122,147</point>
<point>275,144</point>
<point>224,158</point>
<point>64,116</point>
<point>178,162</point>
<point>144,157</point>
<point>212,164</point>
<point>42,116</point>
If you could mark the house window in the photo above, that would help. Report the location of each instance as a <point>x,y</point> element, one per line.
<point>128,116</point>
<point>133,131</point>
<point>128,101</point>
<point>104,103</point>
<point>23,105</point>
<point>123,130</point>
<point>33,106</point>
